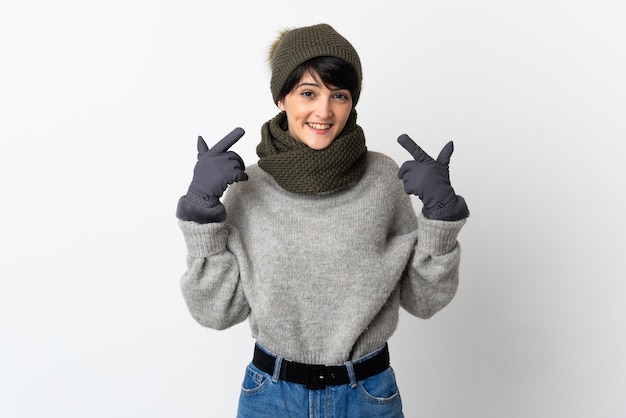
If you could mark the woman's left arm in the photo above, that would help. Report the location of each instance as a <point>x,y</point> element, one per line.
<point>431,278</point>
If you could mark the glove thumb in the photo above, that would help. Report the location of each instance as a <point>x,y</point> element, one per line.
<point>202,147</point>
<point>446,153</point>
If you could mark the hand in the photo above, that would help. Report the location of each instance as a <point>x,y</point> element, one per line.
<point>217,167</point>
<point>427,178</point>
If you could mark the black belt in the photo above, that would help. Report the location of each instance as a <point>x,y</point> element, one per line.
<point>316,376</point>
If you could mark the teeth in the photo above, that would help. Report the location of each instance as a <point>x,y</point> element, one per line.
<point>319,125</point>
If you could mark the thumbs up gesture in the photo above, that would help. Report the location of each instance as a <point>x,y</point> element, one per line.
<point>430,180</point>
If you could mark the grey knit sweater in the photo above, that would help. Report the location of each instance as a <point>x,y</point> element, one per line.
<point>320,277</point>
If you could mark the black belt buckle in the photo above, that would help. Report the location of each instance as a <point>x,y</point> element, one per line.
<point>316,377</point>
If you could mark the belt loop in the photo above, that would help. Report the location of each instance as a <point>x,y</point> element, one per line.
<point>277,364</point>
<point>351,375</point>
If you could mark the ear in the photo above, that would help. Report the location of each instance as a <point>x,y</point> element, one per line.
<point>281,105</point>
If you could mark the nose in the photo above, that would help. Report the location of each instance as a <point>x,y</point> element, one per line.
<point>324,109</point>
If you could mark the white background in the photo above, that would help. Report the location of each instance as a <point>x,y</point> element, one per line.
<point>100,107</point>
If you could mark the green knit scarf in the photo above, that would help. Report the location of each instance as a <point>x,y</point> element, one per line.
<point>300,169</point>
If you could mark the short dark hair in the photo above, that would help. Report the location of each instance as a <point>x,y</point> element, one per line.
<point>333,72</point>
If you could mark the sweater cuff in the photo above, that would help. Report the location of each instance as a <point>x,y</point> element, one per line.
<point>436,237</point>
<point>204,240</point>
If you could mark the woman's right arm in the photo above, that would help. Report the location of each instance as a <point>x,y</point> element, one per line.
<point>211,285</point>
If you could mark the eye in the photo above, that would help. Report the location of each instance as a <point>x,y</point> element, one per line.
<point>341,96</point>
<point>306,93</point>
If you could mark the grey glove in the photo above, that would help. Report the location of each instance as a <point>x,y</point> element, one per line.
<point>215,170</point>
<point>430,180</point>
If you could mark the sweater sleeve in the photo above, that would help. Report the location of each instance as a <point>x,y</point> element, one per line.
<point>432,275</point>
<point>211,285</point>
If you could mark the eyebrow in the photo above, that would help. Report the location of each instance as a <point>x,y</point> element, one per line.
<point>307,84</point>
<point>318,86</point>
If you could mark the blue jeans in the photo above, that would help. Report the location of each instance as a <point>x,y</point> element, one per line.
<point>265,396</point>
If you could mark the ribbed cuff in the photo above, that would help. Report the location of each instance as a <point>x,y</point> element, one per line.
<point>437,237</point>
<point>204,240</point>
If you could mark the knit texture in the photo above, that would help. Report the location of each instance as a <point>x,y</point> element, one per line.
<point>319,276</point>
<point>300,169</point>
<point>295,46</point>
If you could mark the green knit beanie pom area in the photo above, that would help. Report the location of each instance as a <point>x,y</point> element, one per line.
<point>296,46</point>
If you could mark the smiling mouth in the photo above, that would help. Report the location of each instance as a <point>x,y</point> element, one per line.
<point>320,126</point>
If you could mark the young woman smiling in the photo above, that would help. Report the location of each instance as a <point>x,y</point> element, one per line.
<point>316,113</point>
<point>318,245</point>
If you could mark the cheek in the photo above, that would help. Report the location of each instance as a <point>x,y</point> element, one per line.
<point>344,118</point>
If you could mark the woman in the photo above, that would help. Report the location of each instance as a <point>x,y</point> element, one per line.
<point>318,245</point>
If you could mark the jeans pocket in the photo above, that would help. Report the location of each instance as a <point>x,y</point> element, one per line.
<point>254,381</point>
<point>380,388</point>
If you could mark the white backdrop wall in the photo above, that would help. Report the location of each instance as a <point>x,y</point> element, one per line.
<point>100,107</point>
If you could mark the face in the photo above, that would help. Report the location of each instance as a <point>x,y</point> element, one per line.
<point>316,114</point>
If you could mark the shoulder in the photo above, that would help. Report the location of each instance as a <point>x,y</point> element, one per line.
<point>381,178</point>
<point>381,161</point>
<point>381,166</point>
<point>383,186</point>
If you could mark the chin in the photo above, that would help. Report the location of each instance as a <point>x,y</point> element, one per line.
<point>318,146</point>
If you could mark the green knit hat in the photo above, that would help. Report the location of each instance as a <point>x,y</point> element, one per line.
<point>295,46</point>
